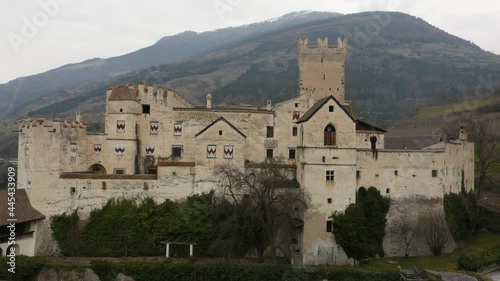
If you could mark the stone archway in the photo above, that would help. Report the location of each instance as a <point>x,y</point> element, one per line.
<point>97,169</point>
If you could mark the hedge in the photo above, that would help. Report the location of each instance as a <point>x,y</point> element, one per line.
<point>165,271</point>
<point>26,268</point>
<point>476,262</point>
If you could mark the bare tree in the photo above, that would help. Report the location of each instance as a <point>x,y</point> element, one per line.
<point>404,230</point>
<point>272,196</point>
<point>486,144</point>
<point>435,232</point>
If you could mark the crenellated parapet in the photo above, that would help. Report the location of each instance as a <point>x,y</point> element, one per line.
<point>33,124</point>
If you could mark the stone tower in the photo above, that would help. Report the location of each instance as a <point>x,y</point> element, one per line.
<point>322,68</point>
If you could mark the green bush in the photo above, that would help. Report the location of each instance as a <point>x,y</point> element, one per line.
<point>461,214</point>
<point>124,228</point>
<point>26,268</point>
<point>475,262</point>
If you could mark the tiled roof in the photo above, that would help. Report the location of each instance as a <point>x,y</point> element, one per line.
<point>320,104</point>
<point>123,93</point>
<point>360,125</point>
<point>363,126</point>
<point>398,142</point>
<point>69,175</point>
<point>175,164</point>
<point>23,211</point>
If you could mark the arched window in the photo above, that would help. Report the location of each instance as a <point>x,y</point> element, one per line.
<point>97,169</point>
<point>330,135</point>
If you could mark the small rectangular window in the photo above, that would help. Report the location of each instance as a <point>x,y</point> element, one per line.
<point>291,153</point>
<point>329,226</point>
<point>323,159</point>
<point>330,108</point>
<point>296,105</point>
<point>270,132</point>
<point>395,172</point>
<point>294,131</point>
<point>329,200</point>
<point>146,109</point>
<point>387,190</point>
<point>434,173</point>
<point>358,174</point>
<point>269,153</point>
<point>330,175</point>
<point>103,185</point>
<point>119,171</point>
<point>176,151</point>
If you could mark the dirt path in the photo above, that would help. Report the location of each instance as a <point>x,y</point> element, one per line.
<point>453,276</point>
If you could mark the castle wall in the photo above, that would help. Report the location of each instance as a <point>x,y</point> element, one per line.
<point>363,139</point>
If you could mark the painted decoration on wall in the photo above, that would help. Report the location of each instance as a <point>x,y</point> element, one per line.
<point>120,126</point>
<point>150,149</point>
<point>178,129</point>
<point>228,151</point>
<point>296,115</point>
<point>211,150</point>
<point>154,126</point>
<point>119,149</point>
<point>72,150</point>
<point>97,148</point>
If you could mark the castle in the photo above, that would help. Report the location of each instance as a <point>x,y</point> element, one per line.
<point>157,144</point>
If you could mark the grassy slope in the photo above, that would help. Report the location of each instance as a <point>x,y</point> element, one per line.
<point>439,110</point>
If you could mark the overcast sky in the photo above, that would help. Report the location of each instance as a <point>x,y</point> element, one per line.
<point>39,35</point>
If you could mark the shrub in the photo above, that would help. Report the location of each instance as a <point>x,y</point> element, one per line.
<point>475,262</point>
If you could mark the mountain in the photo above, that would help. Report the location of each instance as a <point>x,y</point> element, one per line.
<point>170,49</point>
<point>395,62</point>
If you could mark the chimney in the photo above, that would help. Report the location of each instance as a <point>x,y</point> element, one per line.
<point>268,106</point>
<point>131,85</point>
<point>209,101</point>
<point>78,116</point>
<point>463,132</point>
<point>151,88</point>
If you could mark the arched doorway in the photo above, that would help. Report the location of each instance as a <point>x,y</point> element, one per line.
<point>97,169</point>
<point>330,135</point>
